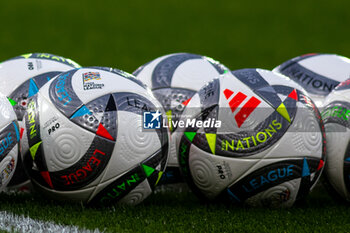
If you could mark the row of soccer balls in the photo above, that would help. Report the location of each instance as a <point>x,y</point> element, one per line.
<point>100,135</point>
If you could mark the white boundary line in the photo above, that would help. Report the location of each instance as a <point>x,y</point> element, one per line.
<point>16,223</point>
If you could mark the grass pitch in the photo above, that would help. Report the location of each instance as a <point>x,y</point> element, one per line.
<point>182,212</point>
<point>127,34</point>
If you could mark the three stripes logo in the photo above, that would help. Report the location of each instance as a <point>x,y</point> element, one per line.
<point>246,109</point>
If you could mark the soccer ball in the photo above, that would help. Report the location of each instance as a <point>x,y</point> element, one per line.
<point>317,73</point>
<point>336,120</point>
<point>255,139</point>
<point>9,142</point>
<point>20,78</point>
<point>87,141</point>
<point>174,79</point>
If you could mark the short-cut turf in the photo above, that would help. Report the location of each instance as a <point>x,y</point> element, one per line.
<point>127,34</point>
<point>182,212</point>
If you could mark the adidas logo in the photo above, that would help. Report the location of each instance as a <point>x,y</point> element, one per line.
<point>246,109</point>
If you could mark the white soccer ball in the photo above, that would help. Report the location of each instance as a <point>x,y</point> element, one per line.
<point>317,73</point>
<point>87,138</point>
<point>20,78</point>
<point>263,145</point>
<point>336,116</point>
<point>9,142</point>
<point>174,79</point>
